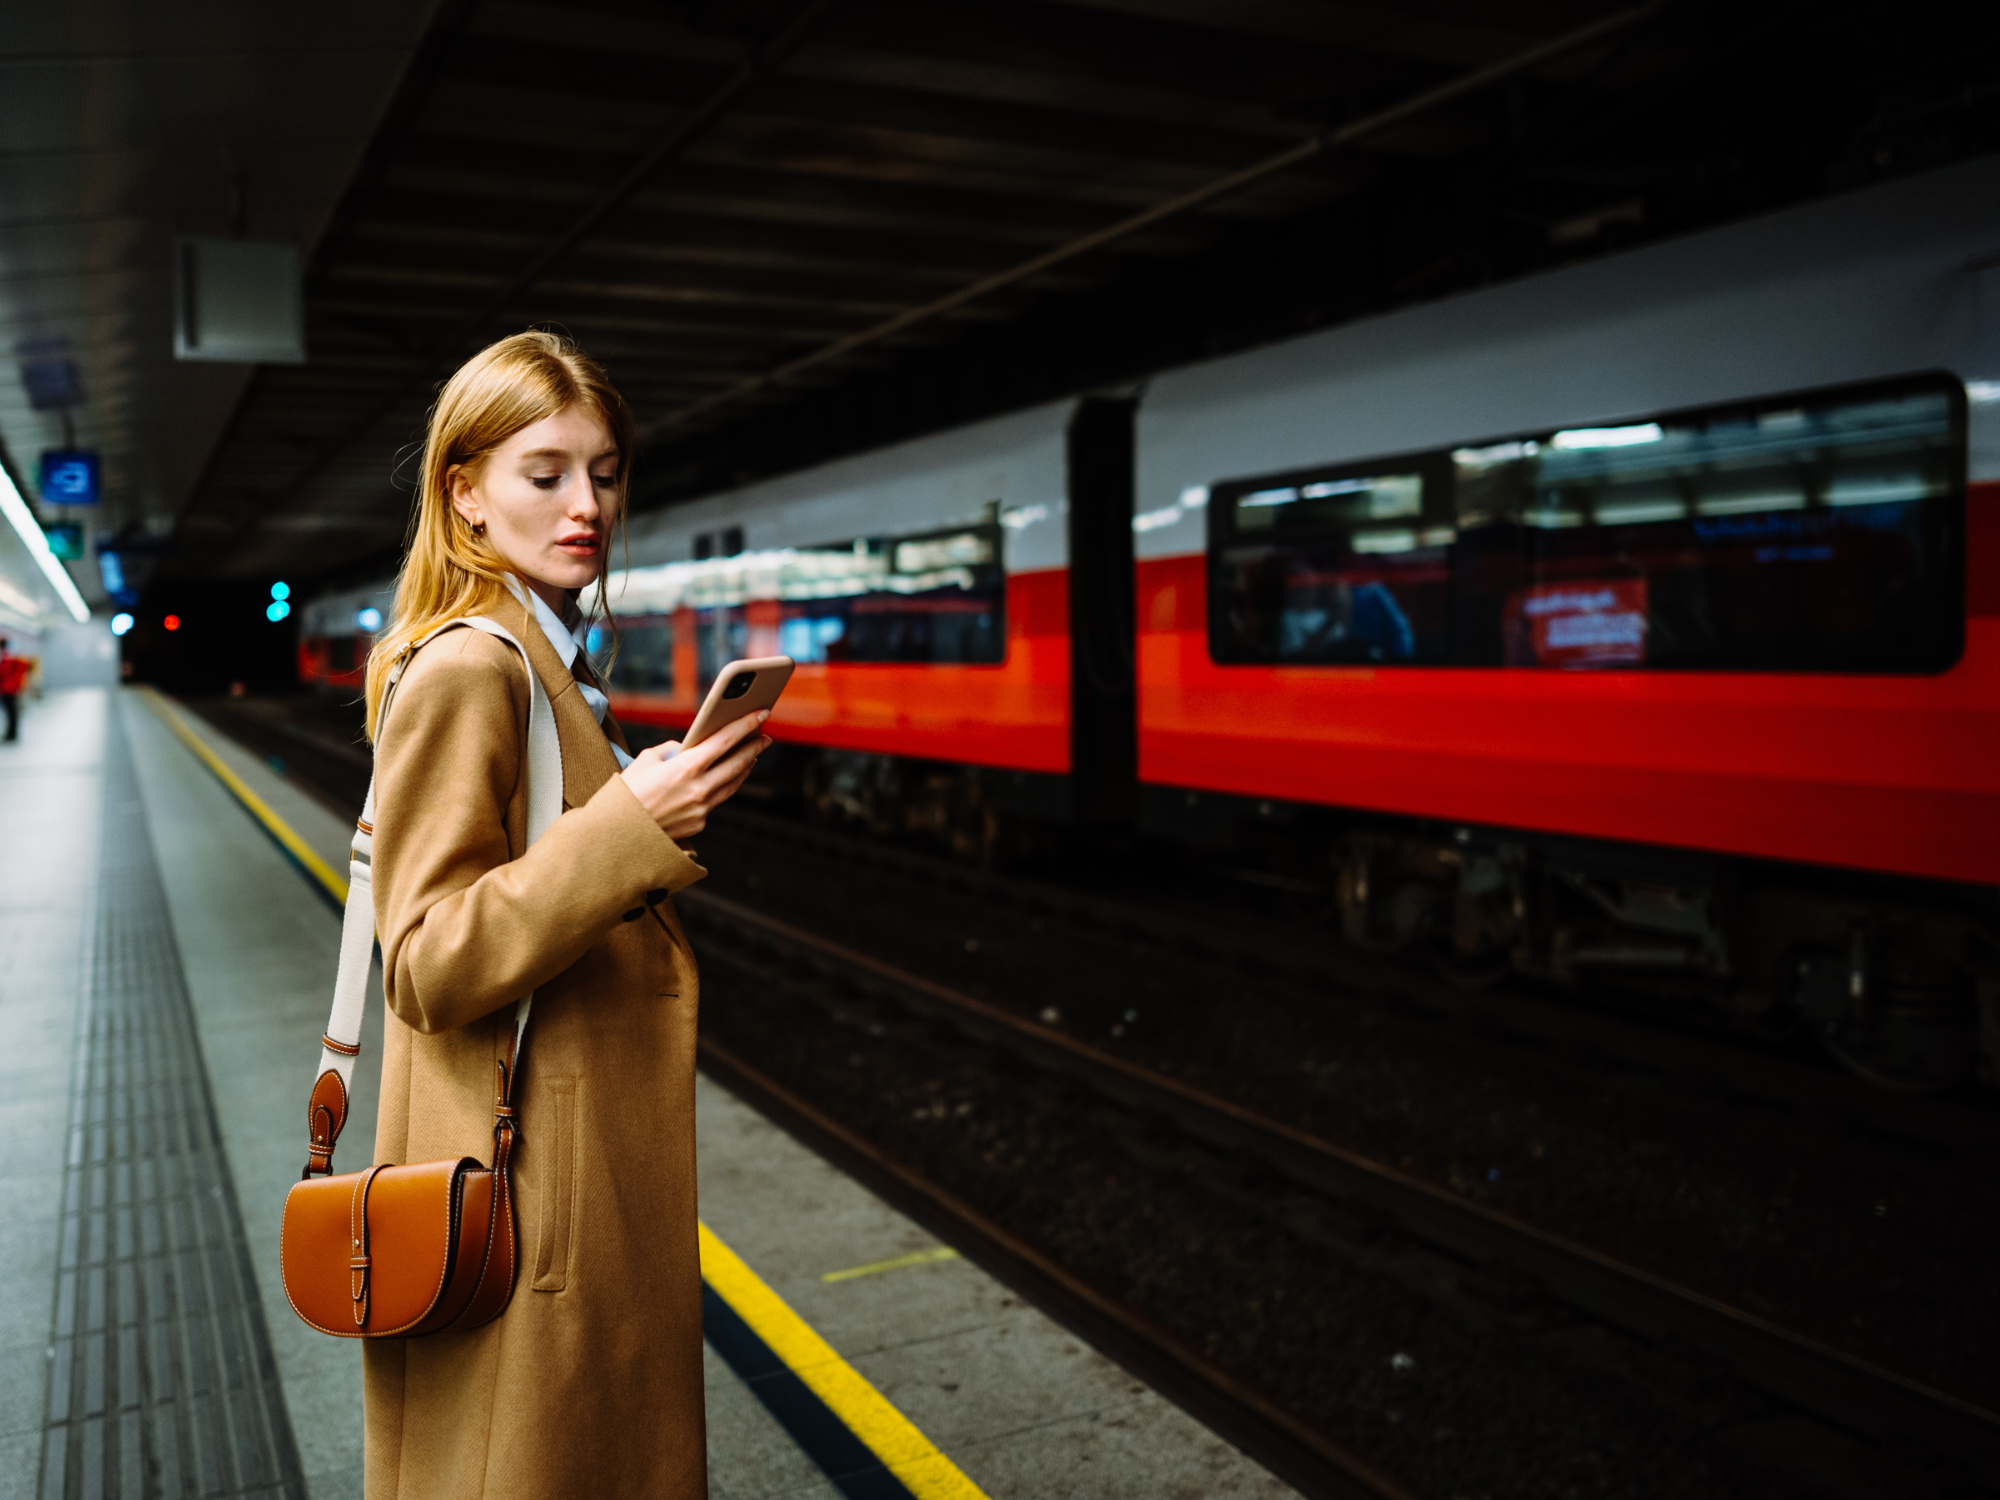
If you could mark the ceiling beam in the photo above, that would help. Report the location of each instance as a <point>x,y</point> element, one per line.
<point>758,67</point>
<point>1221,187</point>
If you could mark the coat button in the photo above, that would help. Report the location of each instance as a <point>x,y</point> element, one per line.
<point>654,898</point>
<point>635,913</point>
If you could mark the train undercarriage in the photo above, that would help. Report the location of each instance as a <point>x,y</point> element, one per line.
<point>1898,981</point>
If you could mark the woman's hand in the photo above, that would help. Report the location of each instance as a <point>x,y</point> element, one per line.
<point>680,788</point>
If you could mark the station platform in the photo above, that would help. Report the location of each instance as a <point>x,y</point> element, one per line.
<point>168,935</point>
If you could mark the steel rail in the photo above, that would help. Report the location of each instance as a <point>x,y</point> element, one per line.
<point>1211,192</point>
<point>1797,1369</point>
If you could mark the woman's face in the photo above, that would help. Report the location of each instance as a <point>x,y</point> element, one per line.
<point>548,497</point>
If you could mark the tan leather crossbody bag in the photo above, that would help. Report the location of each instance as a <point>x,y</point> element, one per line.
<point>399,1251</point>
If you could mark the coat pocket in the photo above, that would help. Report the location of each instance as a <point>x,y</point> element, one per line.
<point>556,1205</point>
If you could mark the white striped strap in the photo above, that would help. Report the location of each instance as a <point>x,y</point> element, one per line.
<point>341,1044</point>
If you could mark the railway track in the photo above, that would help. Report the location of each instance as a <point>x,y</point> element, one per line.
<point>1806,1375</point>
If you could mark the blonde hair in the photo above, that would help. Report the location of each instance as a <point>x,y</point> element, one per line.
<point>448,571</point>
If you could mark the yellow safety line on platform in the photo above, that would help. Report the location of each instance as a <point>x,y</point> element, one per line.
<point>901,1262</point>
<point>259,809</point>
<point>889,1435</point>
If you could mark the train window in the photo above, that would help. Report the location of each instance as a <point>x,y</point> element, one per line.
<point>645,659</point>
<point>1810,533</point>
<point>1329,566</point>
<point>936,597</point>
<point>340,653</point>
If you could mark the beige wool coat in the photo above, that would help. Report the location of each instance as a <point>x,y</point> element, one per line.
<point>591,1382</point>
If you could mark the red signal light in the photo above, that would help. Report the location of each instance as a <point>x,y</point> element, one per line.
<point>172,622</point>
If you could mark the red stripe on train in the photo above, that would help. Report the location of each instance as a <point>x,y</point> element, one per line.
<point>1014,715</point>
<point>1882,773</point>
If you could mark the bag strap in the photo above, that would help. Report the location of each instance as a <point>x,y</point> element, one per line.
<point>341,1044</point>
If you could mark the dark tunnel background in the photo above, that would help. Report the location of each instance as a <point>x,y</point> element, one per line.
<point>224,637</point>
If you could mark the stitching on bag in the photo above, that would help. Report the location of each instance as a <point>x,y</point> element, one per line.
<point>444,1270</point>
<point>486,1261</point>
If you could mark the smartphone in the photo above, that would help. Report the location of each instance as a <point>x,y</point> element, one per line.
<point>739,689</point>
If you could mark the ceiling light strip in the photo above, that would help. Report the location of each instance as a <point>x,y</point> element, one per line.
<point>38,547</point>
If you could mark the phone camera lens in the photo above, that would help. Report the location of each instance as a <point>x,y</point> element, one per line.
<point>739,684</point>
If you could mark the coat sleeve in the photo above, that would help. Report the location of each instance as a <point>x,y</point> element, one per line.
<point>466,927</point>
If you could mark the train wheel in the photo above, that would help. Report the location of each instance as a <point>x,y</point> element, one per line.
<point>1907,1027</point>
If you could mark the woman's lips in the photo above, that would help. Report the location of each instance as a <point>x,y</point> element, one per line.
<point>585,544</point>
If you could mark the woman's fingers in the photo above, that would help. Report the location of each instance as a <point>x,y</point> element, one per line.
<point>725,739</point>
<point>729,778</point>
<point>737,763</point>
<point>680,790</point>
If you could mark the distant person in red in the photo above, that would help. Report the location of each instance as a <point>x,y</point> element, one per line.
<point>13,677</point>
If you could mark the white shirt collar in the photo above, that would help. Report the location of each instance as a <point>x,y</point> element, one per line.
<point>566,646</point>
<point>551,622</point>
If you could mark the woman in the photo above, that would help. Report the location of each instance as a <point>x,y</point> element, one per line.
<point>591,1381</point>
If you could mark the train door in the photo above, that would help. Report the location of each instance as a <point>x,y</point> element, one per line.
<point>1104,742</point>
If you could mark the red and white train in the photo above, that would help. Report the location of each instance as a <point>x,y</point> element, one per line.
<point>1637,621</point>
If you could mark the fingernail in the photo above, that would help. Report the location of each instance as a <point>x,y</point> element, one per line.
<point>763,714</point>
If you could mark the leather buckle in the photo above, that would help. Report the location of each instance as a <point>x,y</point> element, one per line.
<point>325,1115</point>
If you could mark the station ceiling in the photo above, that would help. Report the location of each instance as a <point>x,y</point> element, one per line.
<point>123,123</point>
<point>715,196</point>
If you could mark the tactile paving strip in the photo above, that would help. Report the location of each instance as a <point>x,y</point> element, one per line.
<point>162,1381</point>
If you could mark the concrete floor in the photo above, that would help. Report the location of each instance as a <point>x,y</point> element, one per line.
<point>50,793</point>
<point>1023,1408</point>
<point>259,946</point>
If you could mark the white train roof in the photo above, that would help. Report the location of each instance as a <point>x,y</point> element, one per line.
<point>1878,282</point>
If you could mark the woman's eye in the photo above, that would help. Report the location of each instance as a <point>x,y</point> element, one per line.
<point>547,481</point>
<point>606,480</point>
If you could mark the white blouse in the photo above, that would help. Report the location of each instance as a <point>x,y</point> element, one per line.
<point>567,646</point>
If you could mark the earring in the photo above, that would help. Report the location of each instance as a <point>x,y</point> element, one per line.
<point>479,528</point>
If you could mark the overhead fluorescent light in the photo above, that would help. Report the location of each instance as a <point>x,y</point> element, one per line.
<point>1640,512</point>
<point>1608,437</point>
<point>1495,453</point>
<point>1746,505</point>
<point>30,530</point>
<point>1877,489</point>
<point>1383,541</point>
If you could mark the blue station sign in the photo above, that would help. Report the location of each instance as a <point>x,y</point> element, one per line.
<point>70,476</point>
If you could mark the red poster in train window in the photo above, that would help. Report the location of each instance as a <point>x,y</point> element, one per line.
<point>1586,623</point>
